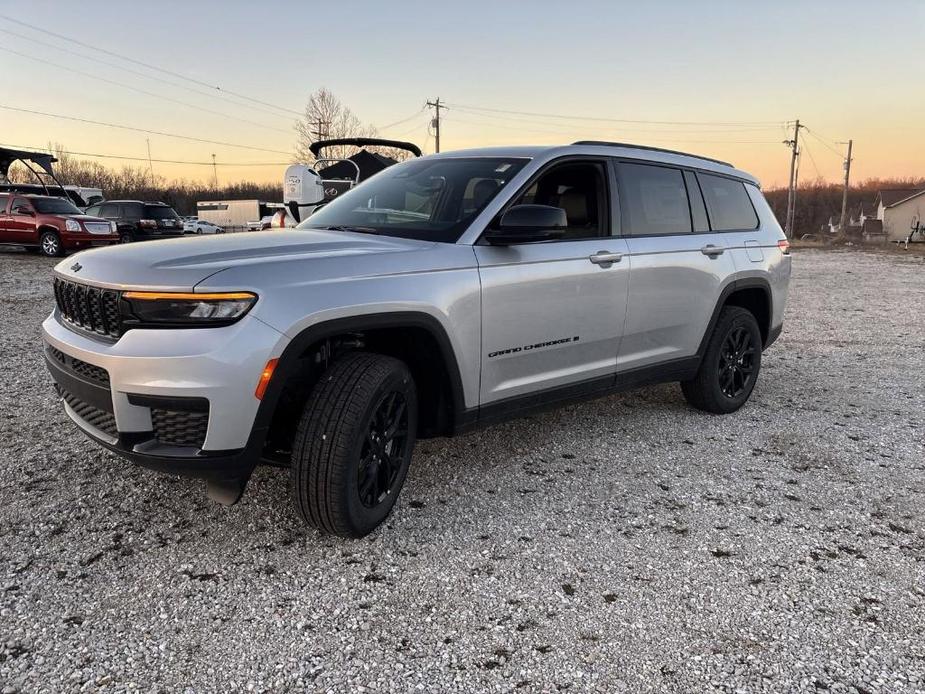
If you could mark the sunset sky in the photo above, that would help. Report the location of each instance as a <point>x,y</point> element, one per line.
<point>718,78</point>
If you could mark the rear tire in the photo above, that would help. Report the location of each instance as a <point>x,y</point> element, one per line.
<point>730,365</point>
<point>50,244</point>
<point>126,237</point>
<point>353,444</point>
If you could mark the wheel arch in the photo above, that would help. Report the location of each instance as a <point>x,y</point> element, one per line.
<point>752,294</point>
<point>304,358</point>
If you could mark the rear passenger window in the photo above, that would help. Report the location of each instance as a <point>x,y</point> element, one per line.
<point>728,203</point>
<point>654,200</point>
<point>4,199</point>
<point>109,211</point>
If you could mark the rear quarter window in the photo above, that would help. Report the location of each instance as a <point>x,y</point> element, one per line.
<point>4,199</point>
<point>728,203</point>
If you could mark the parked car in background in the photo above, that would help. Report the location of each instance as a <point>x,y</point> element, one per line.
<point>261,224</point>
<point>51,225</point>
<point>200,226</point>
<point>140,221</point>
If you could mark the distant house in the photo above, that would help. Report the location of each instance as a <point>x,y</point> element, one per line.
<point>900,210</point>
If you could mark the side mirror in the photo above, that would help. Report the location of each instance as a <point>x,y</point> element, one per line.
<point>528,224</point>
<point>23,211</point>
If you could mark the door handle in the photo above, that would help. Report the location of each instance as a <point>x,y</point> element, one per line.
<point>605,258</point>
<point>712,250</point>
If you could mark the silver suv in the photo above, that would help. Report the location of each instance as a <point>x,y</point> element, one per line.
<point>445,293</point>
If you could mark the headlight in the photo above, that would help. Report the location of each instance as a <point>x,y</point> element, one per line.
<point>114,227</point>
<point>72,225</point>
<point>185,310</point>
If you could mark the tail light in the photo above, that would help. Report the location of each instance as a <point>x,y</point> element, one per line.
<point>784,246</point>
<point>147,223</point>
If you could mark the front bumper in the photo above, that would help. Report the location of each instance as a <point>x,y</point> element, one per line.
<point>74,240</point>
<point>175,400</point>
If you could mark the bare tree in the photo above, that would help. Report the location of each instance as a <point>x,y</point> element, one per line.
<point>327,118</point>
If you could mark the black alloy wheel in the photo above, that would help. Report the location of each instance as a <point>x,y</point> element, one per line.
<point>383,450</point>
<point>736,362</point>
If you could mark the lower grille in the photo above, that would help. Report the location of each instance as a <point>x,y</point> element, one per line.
<point>99,419</point>
<point>180,428</point>
<point>87,371</point>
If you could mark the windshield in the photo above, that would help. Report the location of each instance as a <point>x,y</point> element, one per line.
<point>160,212</point>
<point>430,199</point>
<point>55,206</point>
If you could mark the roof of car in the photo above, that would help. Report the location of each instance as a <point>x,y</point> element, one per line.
<point>140,202</point>
<point>620,149</point>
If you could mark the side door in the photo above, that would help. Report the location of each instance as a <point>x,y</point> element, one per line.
<point>731,212</point>
<point>20,224</point>
<point>679,265</point>
<point>4,217</point>
<point>552,312</point>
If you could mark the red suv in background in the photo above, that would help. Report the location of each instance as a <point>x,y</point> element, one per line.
<point>49,225</point>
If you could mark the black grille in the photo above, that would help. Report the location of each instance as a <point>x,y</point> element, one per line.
<point>90,308</point>
<point>87,371</point>
<point>180,428</point>
<point>100,419</point>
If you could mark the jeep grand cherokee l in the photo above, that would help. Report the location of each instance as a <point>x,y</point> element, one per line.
<point>445,293</point>
<point>50,225</point>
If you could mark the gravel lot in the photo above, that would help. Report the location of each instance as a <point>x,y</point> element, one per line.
<point>628,544</point>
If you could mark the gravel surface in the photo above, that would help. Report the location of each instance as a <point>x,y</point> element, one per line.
<point>628,544</point>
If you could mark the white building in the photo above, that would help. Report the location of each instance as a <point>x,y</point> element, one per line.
<point>901,211</point>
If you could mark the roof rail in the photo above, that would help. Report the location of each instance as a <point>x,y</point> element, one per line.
<point>651,149</point>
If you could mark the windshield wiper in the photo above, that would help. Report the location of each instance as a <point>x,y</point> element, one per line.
<point>345,227</point>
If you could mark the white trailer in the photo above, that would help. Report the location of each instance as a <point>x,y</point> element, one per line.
<point>233,215</point>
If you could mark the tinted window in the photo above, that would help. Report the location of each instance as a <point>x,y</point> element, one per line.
<point>132,210</point>
<point>20,204</point>
<point>728,203</point>
<point>159,212</point>
<point>654,200</point>
<point>55,206</point>
<point>4,199</point>
<point>94,211</point>
<point>698,211</point>
<point>110,211</point>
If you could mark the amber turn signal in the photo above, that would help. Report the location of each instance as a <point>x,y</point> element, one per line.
<point>265,377</point>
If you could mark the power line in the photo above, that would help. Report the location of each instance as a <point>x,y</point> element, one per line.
<point>143,91</point>
<point>220,97</point>
<point>613,120</point>
<point>97,155</point>
<point>812,159</point>
<point>148,65</point>
<point>564,133</point>
<point>825,144</point>
<point>514,119</point>
<point>403,120</point>
<point>140,130</point>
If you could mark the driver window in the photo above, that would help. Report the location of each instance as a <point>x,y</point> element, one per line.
<point>578,188</point>
<point>21,206</point>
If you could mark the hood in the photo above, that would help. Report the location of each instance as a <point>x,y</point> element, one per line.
<point>81,217</point>
<point>180,264</point>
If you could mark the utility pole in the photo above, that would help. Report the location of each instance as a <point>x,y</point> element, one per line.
<point>321,129</point>
<point>844,197</point>
<point>794,145</point>
<point>436,105</point>
<point>214,173</point>
<point>150,165</point>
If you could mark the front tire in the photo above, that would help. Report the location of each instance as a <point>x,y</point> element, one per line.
<point>126,237</point>
<point>353,444</point>
<point>50,244</point>
<point>730,365</point>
